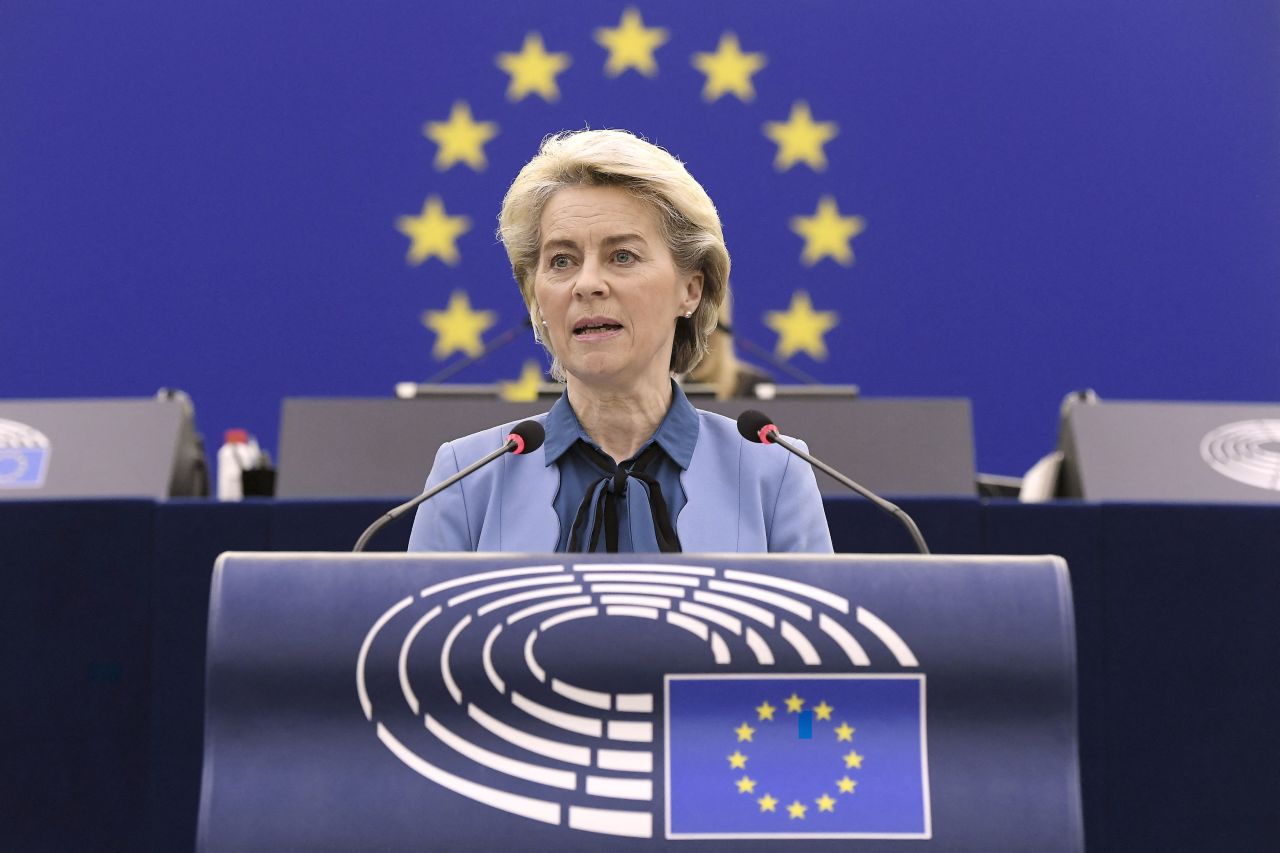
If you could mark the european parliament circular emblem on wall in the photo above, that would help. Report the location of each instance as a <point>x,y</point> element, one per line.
<point>24,456</point>
<point>1246,451</point>
<point>711,703</point>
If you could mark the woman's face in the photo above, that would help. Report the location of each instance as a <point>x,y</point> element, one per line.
<point>608,288</point>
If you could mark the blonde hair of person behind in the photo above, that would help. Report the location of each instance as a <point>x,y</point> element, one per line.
<point>686,216</point>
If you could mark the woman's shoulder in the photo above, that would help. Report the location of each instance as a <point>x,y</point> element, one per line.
<point>723,432</point>
<point>720,444</point>
<point>489,435</point>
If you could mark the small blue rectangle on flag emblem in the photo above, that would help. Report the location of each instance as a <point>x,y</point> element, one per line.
<point>797,756</point>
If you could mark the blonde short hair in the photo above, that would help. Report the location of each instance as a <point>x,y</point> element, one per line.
<point>686,216</point>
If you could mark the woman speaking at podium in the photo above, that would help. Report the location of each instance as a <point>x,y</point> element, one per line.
<point>622,264</point>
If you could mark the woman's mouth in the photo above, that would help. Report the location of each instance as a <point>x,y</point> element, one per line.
<point>595,328</point>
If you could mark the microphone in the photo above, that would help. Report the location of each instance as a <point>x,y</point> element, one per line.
<point>525,437</point>
<point>756,426</point>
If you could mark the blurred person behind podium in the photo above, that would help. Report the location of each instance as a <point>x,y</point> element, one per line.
<point>621,260</point>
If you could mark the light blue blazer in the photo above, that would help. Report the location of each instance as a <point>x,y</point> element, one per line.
<point>740,497</point>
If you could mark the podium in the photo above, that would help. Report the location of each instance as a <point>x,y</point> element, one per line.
<point>637,701</point>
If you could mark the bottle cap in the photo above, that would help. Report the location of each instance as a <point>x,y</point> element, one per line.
<point>235,436</point>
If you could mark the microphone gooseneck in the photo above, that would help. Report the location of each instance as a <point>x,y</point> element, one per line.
<point>525,437</point>
<point>758,427</point>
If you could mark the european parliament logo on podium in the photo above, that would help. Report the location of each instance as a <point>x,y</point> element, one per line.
<point>713,703</point>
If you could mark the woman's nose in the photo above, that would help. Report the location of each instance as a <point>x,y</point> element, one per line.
<point>590,280</point>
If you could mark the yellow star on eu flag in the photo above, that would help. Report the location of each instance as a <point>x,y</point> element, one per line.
<point>746,785</point>
<point>822,711</point>
<point>846,785</point>
<point>768,803</point>
<point>631,44</point>
<point>433,233</point>
<point>728,70</point>
<point>737,761</point>
<point>525,388</point>
<point>794,702</point>
<point>827,234</point>
<point>800,138</point>
<point>765,710</point>
<point>461,138</point>
<point>458,327</point>
<point>533,70</point>
<point>825,803</point>
<point>844,732</point>
<point>853,761</point>
<point>744,732</point>
<point>800,328</point>
<point>797,810</point>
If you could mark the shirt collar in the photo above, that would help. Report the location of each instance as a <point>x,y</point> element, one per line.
<point>678,432</point>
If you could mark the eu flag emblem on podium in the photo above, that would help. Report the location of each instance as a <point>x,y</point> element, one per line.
<point>797,756</point>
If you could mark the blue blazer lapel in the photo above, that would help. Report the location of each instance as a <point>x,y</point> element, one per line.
<point>711,518</point>
<point>528,520</point>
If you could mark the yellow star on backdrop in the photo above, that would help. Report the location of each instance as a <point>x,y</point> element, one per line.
<point>800,328</point>
<point>744,732</point>
<point>746,785</point>
<point>461,138</point>
<point>458,327</point>
<point>631,44</point>
<point>728,70</point>
<point>844,732</point>
<point>827,234</point>
<point>533,69</point>
<point>825,803</point>
<point>797,810</point>
<point>853,760</point>
<point>765,710</point>
<point>768,803</point>
<point>822,711</point>
<point>794,702</point>
<point>433,232</point>
<point>846,785</point>
<point>737,761</point>
<point>525,388</point>
<point>800,138</point>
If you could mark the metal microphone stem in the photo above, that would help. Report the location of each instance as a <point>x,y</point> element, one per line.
<point>432,492</point>
<point>789,369</point>
<point>891,508</point>
<point>495,344</point>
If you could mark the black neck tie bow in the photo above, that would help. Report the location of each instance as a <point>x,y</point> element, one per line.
<point>604,494</point>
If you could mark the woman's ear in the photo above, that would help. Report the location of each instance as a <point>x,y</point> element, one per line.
<point>693,291</point>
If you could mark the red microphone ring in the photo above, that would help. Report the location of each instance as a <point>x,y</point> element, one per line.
<point>764,433</point>
<point>519,448</point>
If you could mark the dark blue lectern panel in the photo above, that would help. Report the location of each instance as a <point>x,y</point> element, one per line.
<point>456,702</point>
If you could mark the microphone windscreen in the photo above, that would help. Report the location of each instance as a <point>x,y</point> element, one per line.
<point>752,423</point>
<point>531,435</point>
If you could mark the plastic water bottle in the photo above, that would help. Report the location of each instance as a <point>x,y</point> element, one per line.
<point>239,453</point>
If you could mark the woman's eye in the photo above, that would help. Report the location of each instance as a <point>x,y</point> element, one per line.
<point>560,262</point>
<point>622,256</point>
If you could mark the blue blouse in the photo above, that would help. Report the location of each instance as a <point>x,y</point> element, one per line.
<point>586,474</point>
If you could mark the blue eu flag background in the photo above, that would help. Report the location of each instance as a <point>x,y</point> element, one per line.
<point>1028,197</point>
<point>797,755</point>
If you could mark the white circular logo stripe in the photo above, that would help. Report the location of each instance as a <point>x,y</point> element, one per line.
<point>1246,451</point>
<point>17,435</point>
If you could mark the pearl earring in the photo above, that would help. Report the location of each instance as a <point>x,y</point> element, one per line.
<point>688,314</point>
